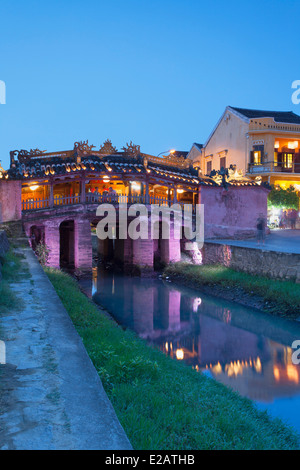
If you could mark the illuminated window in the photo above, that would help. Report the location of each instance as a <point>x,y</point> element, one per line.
<point>275,158</point>
<point>257,154</point>
<point>287,160</point>
<point>257,158</point>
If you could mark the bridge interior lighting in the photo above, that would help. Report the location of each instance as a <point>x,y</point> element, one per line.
<point>180,191</point>
<point>293,145</point>
<point>179,354</point>
<point>135,186</point>
<point>33,187</point>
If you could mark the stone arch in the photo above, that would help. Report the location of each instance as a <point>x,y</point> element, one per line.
<point>36,235</point>
<point>160,244</point>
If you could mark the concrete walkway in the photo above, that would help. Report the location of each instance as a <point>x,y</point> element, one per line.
<point>51,396</point>
<point>283,241</point>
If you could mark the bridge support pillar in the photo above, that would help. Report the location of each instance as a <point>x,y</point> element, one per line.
<point>83,244</point>
<point>52,241</point>
<point>142,253</point>
<point>170,251</point>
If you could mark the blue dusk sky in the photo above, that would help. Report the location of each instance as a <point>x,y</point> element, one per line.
<point>159,72</point>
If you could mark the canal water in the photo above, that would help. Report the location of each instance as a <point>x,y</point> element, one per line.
<point>244,349</point>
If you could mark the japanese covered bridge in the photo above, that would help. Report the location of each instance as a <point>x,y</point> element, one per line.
<point>56,196</point>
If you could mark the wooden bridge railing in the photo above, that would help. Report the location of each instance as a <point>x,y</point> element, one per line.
<point>92,198</point>
<point>35,204</point>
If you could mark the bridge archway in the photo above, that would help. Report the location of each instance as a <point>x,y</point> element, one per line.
<point>67,244</point>
<point>36,234</point>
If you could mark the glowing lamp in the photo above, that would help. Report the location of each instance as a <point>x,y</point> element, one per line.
<point>293,145</point>
<point>135,186</point>
<point>276,146</point>
<point>179,354</point>
<point>33,187</point>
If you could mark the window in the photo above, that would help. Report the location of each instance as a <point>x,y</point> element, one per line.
<point>257,158</point>
<point>222,162</point>
<point>287,160</point>
<point>208,167</point>
<point>257,154</point>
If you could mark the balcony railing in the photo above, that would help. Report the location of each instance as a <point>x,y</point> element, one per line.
<point>274,167</point>
<point>35,204</point>
<point>92,198</point>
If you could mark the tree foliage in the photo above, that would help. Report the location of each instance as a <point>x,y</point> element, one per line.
<point>283,198</point>
<point>42,252</point>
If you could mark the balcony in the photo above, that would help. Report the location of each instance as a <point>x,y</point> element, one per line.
<point>285,163</point>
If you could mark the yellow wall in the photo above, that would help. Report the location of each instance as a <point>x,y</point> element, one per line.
<point>229,135</point>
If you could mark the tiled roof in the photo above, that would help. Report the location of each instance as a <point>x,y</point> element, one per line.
<point>200,146</point>
<point>180,154</point>
<point>287,117</point>
<point>118,164</point>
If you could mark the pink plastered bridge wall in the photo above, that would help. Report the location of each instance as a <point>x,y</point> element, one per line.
<point>228,213</point>
<point>10,200</point>
<point>232,213</point>
<point>49,226</point>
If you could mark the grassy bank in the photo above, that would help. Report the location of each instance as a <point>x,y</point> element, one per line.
<point>161,403</point>
<point>11,268</point>
<point>280,297</point>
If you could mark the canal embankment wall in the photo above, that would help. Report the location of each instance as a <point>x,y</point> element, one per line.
<point>258,261</point>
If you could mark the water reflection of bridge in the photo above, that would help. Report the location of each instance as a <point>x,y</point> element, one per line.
<point>206,334</point>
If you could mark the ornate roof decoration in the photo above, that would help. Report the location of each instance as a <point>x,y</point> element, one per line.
<point>131,150</point>
<point>170,160</point>
<point>169,169</point>
<point>231,176</point>
<point>24,155</point>
<point>82,148</point>
<point>3,173</point>
<point>107,148</point>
